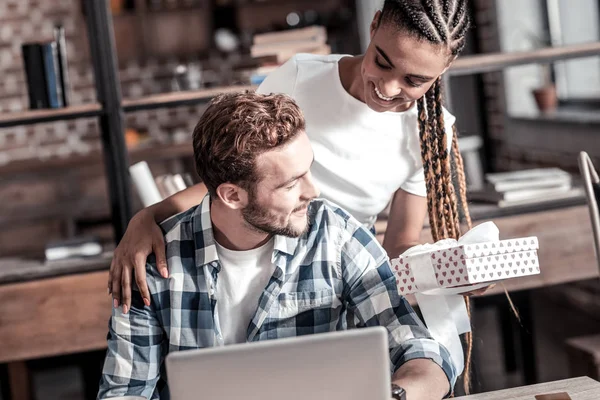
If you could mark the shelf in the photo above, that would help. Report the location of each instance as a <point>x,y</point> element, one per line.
<point>67,208</point>
<point>477,64</point>
<point>47,115</point>
<point>20,270</point>
<point>54,165</point>
<point>175,99</point>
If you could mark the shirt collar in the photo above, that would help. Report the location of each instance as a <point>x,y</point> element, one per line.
<point>204,239</point>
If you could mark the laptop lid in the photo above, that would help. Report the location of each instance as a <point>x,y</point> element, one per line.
<point>345,365</point>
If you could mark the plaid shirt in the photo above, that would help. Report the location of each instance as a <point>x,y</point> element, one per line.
<point>336,276</point>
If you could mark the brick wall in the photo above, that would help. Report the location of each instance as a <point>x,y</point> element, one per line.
<point>42,205</point>
<point>24,21</point>
<point>486,23</point>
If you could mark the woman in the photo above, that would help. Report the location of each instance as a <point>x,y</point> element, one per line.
<point>377,127</point>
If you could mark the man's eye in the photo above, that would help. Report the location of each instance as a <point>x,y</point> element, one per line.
<point>293,185</point>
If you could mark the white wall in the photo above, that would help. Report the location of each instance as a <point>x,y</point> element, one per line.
<point>365,10</point>
<point>579,22</point>
<point>518,20</point>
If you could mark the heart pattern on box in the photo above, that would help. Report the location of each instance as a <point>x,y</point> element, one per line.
<point>487,248</point>
<point>461,271</point>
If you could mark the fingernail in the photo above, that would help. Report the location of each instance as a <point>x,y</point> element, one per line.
<point>164,273</point>
<point>125,309</point>
<point>115,303</point>
<point>146,302</point>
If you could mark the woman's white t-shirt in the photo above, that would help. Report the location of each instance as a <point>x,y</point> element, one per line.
<point>362,157</point>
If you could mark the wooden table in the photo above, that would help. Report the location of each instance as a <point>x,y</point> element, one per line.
<point>53,310</point>
<point>578,389</point>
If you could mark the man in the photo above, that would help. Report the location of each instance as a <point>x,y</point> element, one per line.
<point>261,258</point>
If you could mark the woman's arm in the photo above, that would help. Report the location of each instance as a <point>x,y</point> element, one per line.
<point>143,237</point>
<point>405,223</point>
<point>178,202</point>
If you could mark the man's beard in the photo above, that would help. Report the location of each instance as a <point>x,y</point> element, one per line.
<point>260,219</point>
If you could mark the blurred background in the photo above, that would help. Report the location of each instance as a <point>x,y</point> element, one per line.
<point>78,108</point>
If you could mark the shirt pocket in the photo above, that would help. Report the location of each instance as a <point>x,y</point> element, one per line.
<point>292,304</point>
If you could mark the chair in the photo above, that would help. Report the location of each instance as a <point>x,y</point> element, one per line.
<point>584,351</point>
<point>592,191</point>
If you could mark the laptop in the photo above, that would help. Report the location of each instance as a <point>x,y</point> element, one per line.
<point>345,365</point>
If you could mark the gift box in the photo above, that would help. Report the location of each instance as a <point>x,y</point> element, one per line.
<point>445,265</point>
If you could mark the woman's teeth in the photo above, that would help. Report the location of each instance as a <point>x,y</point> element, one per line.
<point>381,96</point>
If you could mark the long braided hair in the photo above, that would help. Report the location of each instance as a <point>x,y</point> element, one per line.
<point>443,22</point>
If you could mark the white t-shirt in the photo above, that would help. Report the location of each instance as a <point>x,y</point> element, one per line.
<point>361,156</point>
<point>241,281</point>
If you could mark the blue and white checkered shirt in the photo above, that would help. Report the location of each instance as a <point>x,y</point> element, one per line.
<point>336,276</point>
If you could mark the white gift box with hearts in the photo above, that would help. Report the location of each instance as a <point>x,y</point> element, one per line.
<point>466,264</point>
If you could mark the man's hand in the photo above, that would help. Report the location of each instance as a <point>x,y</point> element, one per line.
<point>143,237</point>
<point>422,379</point>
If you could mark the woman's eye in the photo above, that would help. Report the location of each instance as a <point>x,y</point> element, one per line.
<point>413,83</point>
<point>380,65</point>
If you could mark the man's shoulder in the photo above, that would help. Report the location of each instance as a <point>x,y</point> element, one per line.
<point>326,213</point>
<point>178,235</point>
<point>178,223</point>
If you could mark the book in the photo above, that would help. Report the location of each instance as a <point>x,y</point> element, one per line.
<point>285,54</point>
<point>143,180</point>
<point>51,72</point>
<point>61,51</point>
<point>33,61</point>
<point>518,194</point>
<point>285,44</point>
<point>71,248</point>
<point>528,179</point>
<point>573,193</point>
<point>317,34</point>
<point>266,49</point>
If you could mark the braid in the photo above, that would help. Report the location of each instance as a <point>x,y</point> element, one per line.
<point>424,136</point>
<point>436,14</point>
<point>443,22</point>
<point>439,193</point>
<point>439,21</point>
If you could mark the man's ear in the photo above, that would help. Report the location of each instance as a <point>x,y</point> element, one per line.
<point>232,196</point>
<point>375,24</point>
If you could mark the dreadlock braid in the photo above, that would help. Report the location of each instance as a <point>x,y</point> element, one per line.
<point>435,157</point>
<point>426,157</point>
<point>443,22</point>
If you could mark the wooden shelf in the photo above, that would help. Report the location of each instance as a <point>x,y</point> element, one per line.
<point>175,99</point>
<point>47,115</point>
<point>55,165</point>
<point>498,61</point>
<point>70,208</point>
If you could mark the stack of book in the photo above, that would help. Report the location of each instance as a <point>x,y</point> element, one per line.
<point>46,71</point>
<point>169,184</point>
<point>152,190</point>
<point>283,45</point>
<point>527,187</point>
